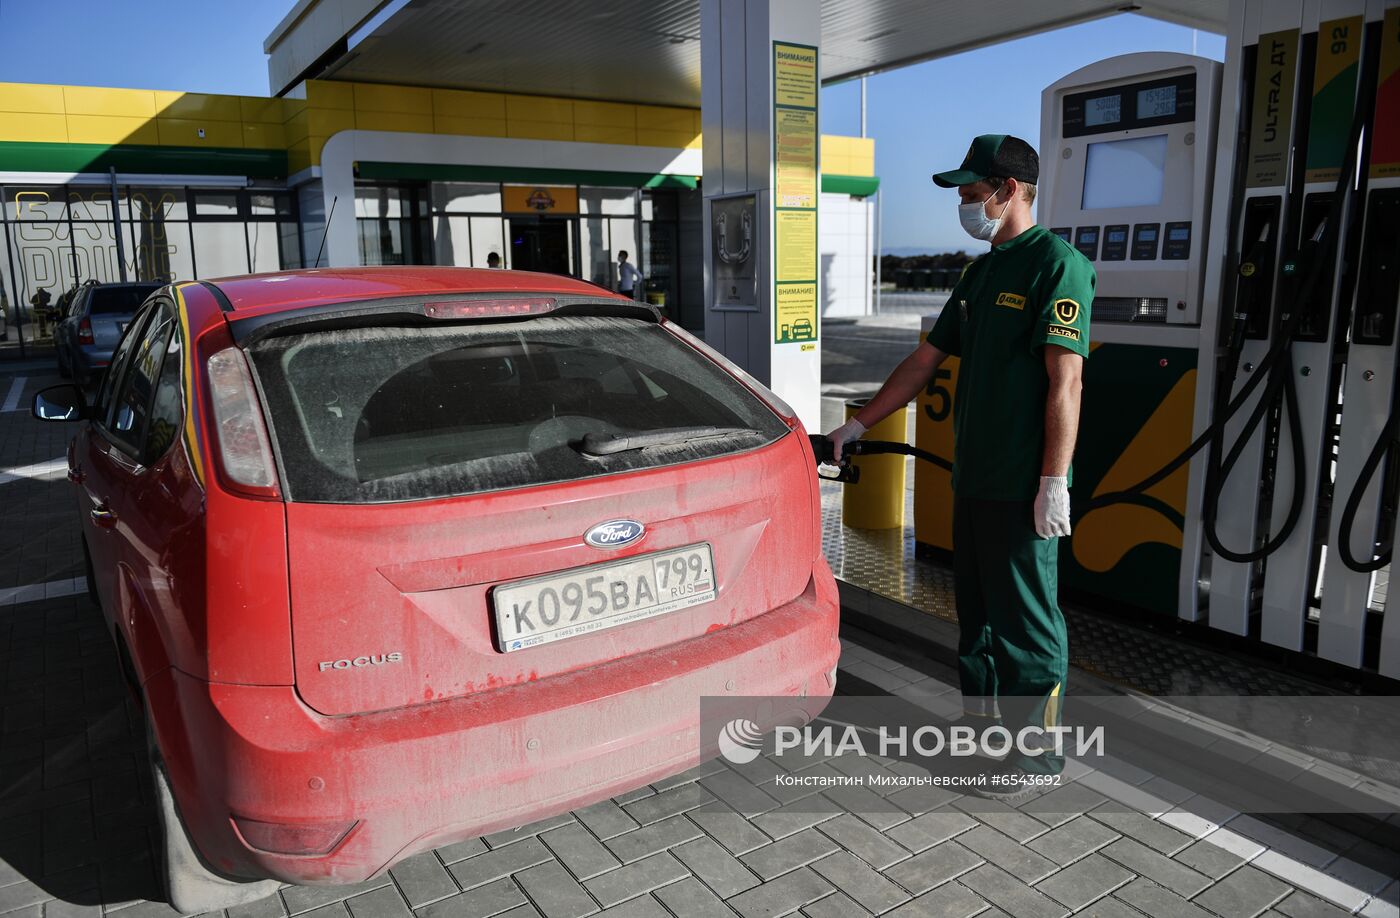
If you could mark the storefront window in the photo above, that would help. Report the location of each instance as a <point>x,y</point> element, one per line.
<point>392,224</point>
<point>59,236</point>
<point>40,242</point>
<point>289,244</point>
<point>215,203</point>
<point>488,235</point>
<point>466,198</point>
<point>593,243</point>
<point>622,237</point>
<point>264,247</point>
<point>264,204</point>
<point>621,202</point>
<point>452,241</point>
<point>160,245</point>
<point>220,249</point>
<point>662,245</point>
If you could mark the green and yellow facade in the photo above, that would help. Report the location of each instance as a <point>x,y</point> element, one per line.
<point>383,166</point>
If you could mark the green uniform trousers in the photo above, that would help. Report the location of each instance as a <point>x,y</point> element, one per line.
<point>1013,652</point>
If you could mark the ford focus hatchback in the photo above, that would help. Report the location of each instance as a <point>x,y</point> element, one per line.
<point>398,557</point>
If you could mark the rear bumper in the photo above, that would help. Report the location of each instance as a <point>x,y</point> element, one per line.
<point>88,358</point>
<point>421,777</point>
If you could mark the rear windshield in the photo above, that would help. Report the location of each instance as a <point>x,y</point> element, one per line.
<point>392,414</point>
<point>104,300</point>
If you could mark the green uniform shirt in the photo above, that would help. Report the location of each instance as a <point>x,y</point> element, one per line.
<point>1031,291</point>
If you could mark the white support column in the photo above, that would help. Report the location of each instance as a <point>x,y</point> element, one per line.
<point>760,91</point>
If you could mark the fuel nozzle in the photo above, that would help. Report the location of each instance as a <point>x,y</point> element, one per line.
<point>823,451</point>
<point>1251,270</point>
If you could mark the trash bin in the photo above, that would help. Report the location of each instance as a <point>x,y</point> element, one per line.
<point>876,501</point>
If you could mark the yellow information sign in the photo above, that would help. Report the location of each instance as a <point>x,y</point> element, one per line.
<point>795,245</point>
<point>794,75</point>
<point>795,181</point>
<point>795,313</point>
<point>795,152</point>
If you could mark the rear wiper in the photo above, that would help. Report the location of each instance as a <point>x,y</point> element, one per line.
<point>608,444</point>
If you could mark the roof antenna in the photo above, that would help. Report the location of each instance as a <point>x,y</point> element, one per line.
<point>326,233</point>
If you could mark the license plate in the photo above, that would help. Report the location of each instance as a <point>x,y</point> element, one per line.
<point>554,607</point>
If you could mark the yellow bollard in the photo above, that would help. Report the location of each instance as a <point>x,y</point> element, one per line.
<point>876,501</point>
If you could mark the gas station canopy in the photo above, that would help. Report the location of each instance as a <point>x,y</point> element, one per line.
<point>638,50</point>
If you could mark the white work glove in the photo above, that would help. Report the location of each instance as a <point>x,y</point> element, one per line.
<point>851,430</point>
<point>1052,507</point>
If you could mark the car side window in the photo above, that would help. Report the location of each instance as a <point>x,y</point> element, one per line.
<point>132,406</point>
<point>117,367</point>
<point>167,410</point>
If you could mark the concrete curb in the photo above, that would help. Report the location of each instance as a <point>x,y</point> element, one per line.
<point>1281,769</point>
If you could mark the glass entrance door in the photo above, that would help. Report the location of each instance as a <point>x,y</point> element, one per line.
<point>542,244</point>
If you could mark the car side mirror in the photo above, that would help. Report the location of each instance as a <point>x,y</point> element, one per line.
<point>61,403</point>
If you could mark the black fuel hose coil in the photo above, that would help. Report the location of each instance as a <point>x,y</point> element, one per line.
<point>1385,444</point>
<point>1276,366</point>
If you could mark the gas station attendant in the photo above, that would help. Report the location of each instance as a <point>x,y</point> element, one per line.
<point>1018,319</point>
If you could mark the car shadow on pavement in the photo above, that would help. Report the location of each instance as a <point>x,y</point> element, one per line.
<point>77,817</point>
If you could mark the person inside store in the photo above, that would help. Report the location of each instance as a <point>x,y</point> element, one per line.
<point>629,279</point>
<point>1018,320</point>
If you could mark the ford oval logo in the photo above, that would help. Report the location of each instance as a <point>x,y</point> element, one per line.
<point>614,533</point>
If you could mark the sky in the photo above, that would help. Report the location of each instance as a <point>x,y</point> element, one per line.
<point>922,117</point>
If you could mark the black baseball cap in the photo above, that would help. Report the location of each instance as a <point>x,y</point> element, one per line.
<point>999,155</point>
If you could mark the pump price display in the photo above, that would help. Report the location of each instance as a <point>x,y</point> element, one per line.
<point>1103,110</point>
<point>1157,102</point>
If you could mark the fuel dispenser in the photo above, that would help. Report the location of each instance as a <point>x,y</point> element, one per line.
<point>1263,201</point>
<point>1127,163</point>
<point>1126,154</point>
<point>1356,626</point>
<point>1244,224</point>
<point>1330,72</point>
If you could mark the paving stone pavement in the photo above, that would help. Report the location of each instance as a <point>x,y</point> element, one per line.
<point>77,823</point>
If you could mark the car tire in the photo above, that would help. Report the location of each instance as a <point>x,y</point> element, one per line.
<point>188,884</point>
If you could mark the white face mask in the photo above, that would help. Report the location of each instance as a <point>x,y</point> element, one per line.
<point>975,221</point>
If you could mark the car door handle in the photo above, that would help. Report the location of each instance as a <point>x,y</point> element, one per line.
<point>103,516</point>
<point>75,475</point>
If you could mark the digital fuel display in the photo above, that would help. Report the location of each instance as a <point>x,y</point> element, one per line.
<point>1157,102</point>
<point>1145,103</point>
<point>1103,110</point>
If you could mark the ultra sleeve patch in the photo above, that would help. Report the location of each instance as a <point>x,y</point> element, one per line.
<point>1062,331</point>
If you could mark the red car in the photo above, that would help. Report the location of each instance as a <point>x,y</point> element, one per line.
<point>396,557</point>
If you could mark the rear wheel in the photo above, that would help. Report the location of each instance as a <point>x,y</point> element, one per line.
<point>189,886</point>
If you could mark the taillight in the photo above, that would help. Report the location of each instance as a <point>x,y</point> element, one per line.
<point>85,332</point>
<point>245,453</point>
<point>774,401</point>
<point>486,309</point>
<point>284,838</point>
